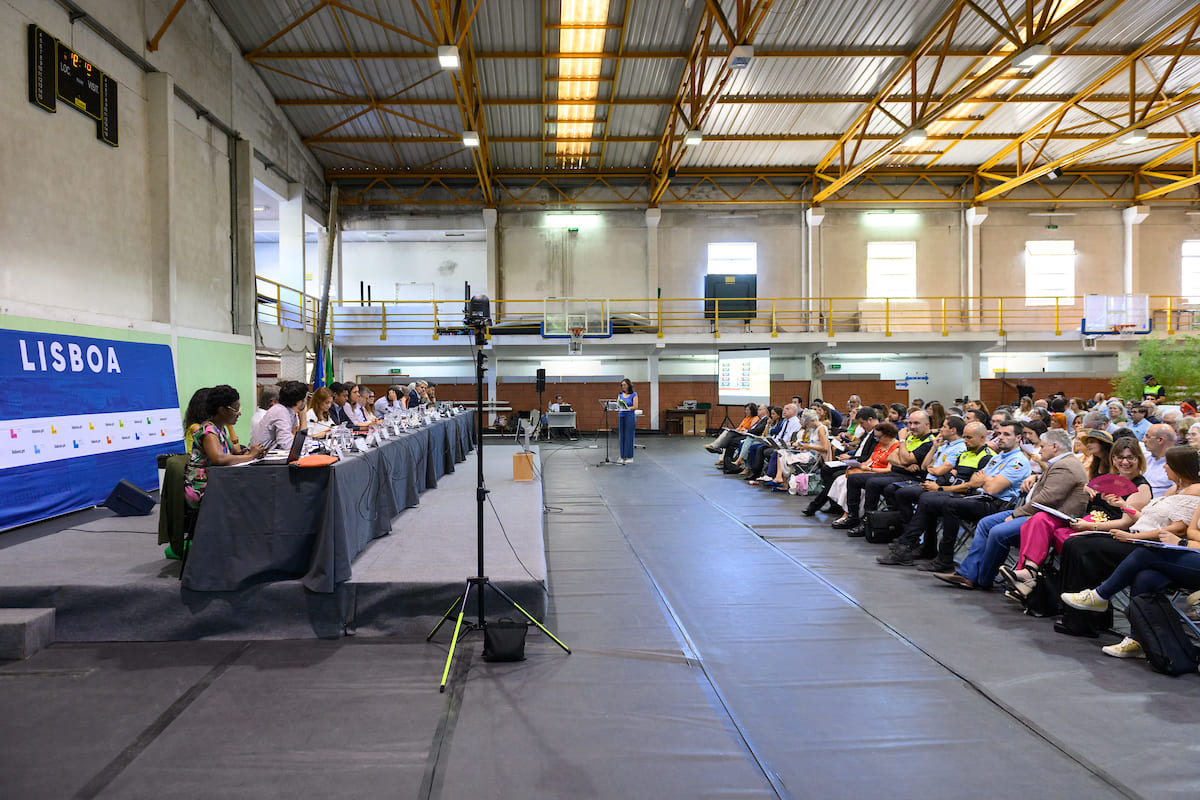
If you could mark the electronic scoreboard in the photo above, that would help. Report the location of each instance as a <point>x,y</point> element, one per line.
<point>56,72</point>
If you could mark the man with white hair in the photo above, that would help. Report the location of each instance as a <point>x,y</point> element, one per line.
<point>1158,440</point>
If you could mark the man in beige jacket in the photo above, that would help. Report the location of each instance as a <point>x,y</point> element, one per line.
<point>1060,486</point>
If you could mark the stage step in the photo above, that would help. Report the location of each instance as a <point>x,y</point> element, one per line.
<point>24,631</point>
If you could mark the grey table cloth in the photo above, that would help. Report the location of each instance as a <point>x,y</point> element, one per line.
<point>274,522</point>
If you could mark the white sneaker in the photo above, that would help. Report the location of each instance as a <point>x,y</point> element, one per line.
<point>1126,648</point>
<point>1087,600</point>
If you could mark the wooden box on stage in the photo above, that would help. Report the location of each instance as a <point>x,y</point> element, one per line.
<point>522,466</point>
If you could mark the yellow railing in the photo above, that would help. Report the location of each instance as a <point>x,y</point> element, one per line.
<point>285,307</point>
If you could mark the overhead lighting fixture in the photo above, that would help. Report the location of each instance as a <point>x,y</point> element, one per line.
<point>914,137</point>
<point>259,209</point>
<point>1054,174</point>
<point>891,219</point>
<point>470,139</point>
<point>693,137</point>
<point>1051,213</point>
<point>572,221</point>
<point>448,56</point>
<point>1031,56</point>
<point>739,56</point>
<point>1135,136</point>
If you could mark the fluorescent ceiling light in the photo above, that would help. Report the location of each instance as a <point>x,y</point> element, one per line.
<point>1051,213</point>
<point>891,219</point>
<point>470,139</point>
<point>693,137</point>
<point>448,57</point>
<point>1031,56</point>
<point>572,220</point>
<point>1135,136</point>
<point>258,209</point>
<point>915,136</point>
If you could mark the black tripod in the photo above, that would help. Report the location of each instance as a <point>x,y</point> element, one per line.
<point>479,581</point>
<point>608,439</point>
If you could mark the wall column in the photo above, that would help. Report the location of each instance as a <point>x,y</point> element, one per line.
<point>245,289</point>
<point>1131,217</point>
<point>653,217</point>
<point>160,114</point>
<point>652,371</point>
<point>493,262</point>
<point>971,277</point>
<point>813,218</point>
<point>291,239</point>
<point>970,376</point>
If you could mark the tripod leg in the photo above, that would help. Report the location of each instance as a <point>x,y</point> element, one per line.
<point>454,640</point>
<point>445,617</point>
<point>529,617</point>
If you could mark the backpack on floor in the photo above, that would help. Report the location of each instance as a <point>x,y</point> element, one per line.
<point>884,526</point>
<point>1044,600</point>
<point>1155,625</point>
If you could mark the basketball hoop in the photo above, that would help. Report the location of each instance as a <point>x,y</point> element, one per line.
<point>1125,332</point>
<point>575,344</point>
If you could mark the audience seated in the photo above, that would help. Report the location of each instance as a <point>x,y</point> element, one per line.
<point>729,437</point>
<point>393,400</point>
<point>905,462</point>
<point>1060,486</point>
<point>267,396</point>
<point>340,396</point>
<point>879,463</point>
<point>859,450</point>
<point>318,419</point>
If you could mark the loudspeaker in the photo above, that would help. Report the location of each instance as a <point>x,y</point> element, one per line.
<point>541,380</point>
<point>128,500</point>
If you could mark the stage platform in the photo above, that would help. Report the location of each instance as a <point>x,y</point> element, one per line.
<point>108,580</point>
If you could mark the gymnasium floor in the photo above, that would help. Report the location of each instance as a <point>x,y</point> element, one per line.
<point>723,646</point>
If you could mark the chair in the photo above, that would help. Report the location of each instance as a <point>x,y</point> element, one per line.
<point>176,522</point>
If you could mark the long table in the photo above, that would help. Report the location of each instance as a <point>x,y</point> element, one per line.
<point>264,522</point>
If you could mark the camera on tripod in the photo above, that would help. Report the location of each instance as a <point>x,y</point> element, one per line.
<point>477,309</point>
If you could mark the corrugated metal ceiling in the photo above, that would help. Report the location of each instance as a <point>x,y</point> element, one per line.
<point>510,36</point>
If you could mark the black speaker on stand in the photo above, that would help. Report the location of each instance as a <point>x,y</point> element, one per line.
<point>541,387</point>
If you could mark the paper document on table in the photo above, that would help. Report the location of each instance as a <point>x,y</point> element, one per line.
<point>1053,512</point>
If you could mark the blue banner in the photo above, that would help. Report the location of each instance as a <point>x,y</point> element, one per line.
<point>77,416</point>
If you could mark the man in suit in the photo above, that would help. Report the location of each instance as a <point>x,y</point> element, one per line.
<point>1061,486</point>
<point>336,412</point>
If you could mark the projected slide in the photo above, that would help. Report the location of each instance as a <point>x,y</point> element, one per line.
<point>743,376</point>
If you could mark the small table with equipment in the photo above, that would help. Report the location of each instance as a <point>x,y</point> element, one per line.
<point>685,421</point>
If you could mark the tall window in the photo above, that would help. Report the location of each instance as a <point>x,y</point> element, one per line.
<point>1049,272</point>
<point>891,269</point>
<point>732,258</point>
<point>1190,284</point>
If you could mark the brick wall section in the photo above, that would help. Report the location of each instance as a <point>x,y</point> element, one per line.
<point>838,392</point>
<point>1084,388</point>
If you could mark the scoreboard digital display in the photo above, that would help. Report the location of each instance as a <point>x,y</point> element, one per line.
<point>56,72</point>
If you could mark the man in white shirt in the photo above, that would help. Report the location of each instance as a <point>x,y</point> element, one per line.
<point>1158,440</point>
<point>267,397</point>
<point>279,424</point>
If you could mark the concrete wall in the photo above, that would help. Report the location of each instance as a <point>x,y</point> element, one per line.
<point>442,266</point>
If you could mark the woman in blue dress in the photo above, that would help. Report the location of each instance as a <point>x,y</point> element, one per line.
<point>627,399</point>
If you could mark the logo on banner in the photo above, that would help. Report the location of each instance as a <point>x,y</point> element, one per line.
<point>76,358</point>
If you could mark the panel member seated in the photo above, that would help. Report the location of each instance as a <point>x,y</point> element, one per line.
<point>340,396</point>
<point>280,423</point>
<point>210,444</point>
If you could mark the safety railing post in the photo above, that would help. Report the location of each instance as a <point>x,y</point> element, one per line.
<point>435,321</point>
<point>1170,316</point>
<point>944,331</point>
<point>383,320</point>
<point>660,324</point>
<point>887,316</point>
<point>1000,315</point>
<point>774,329</point>
<point>1057,327</point>
<point>829,318</point>
<point>716,318</point>
<point>279,305</point>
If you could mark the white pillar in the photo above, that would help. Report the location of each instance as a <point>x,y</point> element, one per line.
<point>970,379</point>
<point>816,387</point>
<point>970,277</point>
<point>160,114</point>
<point>653,217</point>
<point>813,218</point>
<point>1131,217</point>
<point>493,262</point>
<point>652,371</point>
<point>291,239</point>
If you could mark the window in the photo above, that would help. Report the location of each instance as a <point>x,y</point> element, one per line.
<point>1049,272</point>
<point>891,269</point>
<point>1190,284</point>
<point>732,258</point>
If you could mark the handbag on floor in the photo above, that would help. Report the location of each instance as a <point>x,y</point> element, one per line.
<point>1044,600</point>
<point>504,640</point>
<point>1155,625</point>
<point>884,526</point>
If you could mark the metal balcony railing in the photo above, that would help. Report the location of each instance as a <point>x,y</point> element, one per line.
<point>285,307</point>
